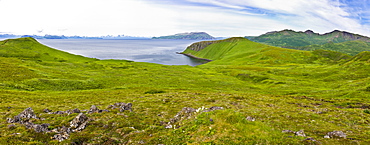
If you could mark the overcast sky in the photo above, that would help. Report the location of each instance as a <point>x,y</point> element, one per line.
<point>221,18</point>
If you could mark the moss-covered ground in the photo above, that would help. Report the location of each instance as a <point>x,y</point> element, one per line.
<point>317,92</point>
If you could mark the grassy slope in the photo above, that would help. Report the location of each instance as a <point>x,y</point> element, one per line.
<point>249,79</point>
<point>348,47</point>
<point>312,41</point>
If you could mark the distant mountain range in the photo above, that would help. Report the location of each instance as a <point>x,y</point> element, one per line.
<point>70,37</point>
<point>340,41</point>
<point>189,36</point>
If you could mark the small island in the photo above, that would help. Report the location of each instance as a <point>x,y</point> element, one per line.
<point>188,36</point>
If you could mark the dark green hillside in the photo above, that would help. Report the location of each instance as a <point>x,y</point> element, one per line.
<point>287,71</point>
<point>340,41</point>
<point>29,48</point>
<point>250,93</point>
<point>190,36</point>
<point>290,38</point>
<point>348,47</point>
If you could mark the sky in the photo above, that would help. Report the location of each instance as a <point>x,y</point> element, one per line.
<point>148,18</point>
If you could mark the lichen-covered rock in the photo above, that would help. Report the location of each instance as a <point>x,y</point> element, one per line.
<point>46,110</point>
<point>79,120</point>
<point>213,109</point>
<point>335,134</point>
<point>24,116</point>
<point>60,137</point>
<point>300,133</point>
<point>122,106</point>
<point>186,112</point>
<point>93,109</point>
<point>297,133</point>
<point>249,118</point>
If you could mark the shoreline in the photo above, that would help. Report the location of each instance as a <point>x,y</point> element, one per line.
<point>192,56</point>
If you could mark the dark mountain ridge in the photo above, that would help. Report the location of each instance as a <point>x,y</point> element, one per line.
<point>190,36</point>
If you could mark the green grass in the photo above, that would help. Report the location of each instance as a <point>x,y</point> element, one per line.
<point>318,92</point>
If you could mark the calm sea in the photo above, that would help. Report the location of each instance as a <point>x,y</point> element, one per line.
<point>153,51</point>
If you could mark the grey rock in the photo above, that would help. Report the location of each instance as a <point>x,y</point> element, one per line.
<point>300,133</point>
<point>41,128</point>
<point>310,139</point>
<point>93,109</point>
<point>249,118</point>
<point>213,109</point>
<point>127,106</point>
<point>28,114</point>
<point>61,137</point>
<point>46,110</point>
<point>297,133</point>
<point>78,120</point>
<point>336,134</point>
<point>24,116</point>
<point>186,112</point>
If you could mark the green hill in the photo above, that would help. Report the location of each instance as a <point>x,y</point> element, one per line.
<point>190,36</point>
<point>250,93</point>
<point>348,43</point>
<point>348,47</point>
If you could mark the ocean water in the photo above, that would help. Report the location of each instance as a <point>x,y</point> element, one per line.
<point>152,51</point>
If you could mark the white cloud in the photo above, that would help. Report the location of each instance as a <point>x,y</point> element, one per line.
<point>320,15</point>
<point>156,18</point>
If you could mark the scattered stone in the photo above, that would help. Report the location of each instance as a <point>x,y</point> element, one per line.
<point>24,116</point>
<point>127,106</point>
<point>93,109</point>
<point>79,120</point>
<point>249,118</point>
<point>310,139</point>
<point>12,126</point>
<point>297,133</point>
<point>40,128</point>
<point>46,110</point>
<point>186,112</point>
<point>335,134</point>
<point>61,137</point>
<point>122,106</point>
<point>300,133</point>
<point>65,112</point>
<point>213,109</point>
<point>168,126</point>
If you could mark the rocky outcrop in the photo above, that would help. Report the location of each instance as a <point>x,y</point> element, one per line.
<point>203,44</point>
<point>188,112</point>
<point>121,106</point>
<point>79,123</point>
<point>297,133</point>
<point>63,112</point>
<point>335,134</point>
<point>23,117</point>
<point>94,109</point>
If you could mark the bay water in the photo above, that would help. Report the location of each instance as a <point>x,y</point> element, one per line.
<point>148,50</point>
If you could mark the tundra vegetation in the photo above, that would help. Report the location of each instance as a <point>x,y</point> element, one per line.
<point>250,93</point>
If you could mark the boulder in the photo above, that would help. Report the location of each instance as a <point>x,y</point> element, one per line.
<point>213,109</point>
<point>122,106</point>
<point>335,134</point>
<point>24,116</point>
<point>79,120</point>
<point>93,109</point>
<point>249,118</point>
<point>297,133</point>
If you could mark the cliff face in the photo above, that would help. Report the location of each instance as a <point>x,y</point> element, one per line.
<point>203,44</point>
<point>188,36</point>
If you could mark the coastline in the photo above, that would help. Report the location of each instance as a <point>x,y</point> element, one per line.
<point>192,56</point>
